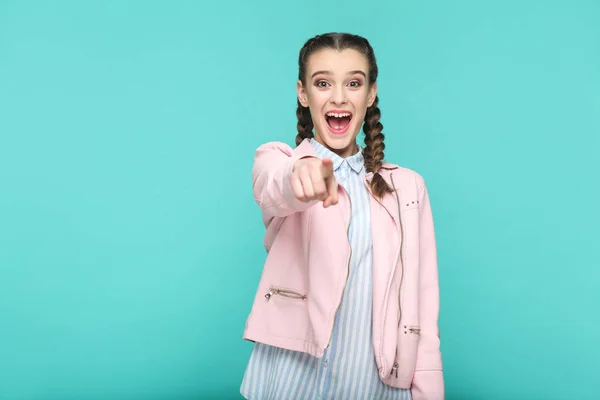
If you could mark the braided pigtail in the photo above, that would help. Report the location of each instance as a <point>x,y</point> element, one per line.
<point>373,151</point>
<point>305,124</point>
<point>374,147</point>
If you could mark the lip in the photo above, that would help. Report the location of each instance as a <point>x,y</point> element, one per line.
<point>340,131</point>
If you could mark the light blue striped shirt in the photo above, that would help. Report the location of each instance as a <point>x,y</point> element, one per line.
<point>347,370</point>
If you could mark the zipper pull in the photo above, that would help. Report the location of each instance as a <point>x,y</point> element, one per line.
<point>271,293</point>
<point>395,369</point>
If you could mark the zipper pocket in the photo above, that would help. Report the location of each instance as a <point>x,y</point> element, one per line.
<point>415,330</point>
<point>290,294</point>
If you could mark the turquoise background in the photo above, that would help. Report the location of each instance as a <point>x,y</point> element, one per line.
<point>130,245</point>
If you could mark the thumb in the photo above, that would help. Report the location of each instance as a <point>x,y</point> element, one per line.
<point>326,168</point>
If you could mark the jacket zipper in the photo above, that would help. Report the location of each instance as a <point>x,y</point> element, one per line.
<point>291,294</point>
<point>401,249</point>
<point>347,265</point>
<point>392,274</point>
<point>395,369</point>
<point>395,262</point>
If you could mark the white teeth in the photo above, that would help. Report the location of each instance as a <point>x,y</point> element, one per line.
<point>338,115</point>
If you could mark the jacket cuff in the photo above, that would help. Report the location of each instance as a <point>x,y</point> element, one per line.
<point>428,385</point>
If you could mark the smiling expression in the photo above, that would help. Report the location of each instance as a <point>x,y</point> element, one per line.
<point>337,92</point>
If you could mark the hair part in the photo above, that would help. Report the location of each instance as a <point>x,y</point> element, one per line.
<point>372,127</point>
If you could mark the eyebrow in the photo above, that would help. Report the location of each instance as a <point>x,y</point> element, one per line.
<point>330,73</point>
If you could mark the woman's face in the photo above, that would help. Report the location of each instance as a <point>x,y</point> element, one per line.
<point>337,92</point>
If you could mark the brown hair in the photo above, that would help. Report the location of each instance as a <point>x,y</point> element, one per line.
<point>374,146</point>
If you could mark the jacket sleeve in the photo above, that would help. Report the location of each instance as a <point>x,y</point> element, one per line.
<point>271,180</point>
<point>428,381</point>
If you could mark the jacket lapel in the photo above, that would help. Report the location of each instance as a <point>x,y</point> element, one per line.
<point>389,201</point>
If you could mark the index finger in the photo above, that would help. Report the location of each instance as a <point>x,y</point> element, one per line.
<point>326,168</point>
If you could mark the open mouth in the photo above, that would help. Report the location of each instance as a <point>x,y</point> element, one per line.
<point>338,121</point>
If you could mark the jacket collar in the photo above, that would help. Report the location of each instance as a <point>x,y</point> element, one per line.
<point>306,149</point>
<point>356,161</point>
<point>389,201</point>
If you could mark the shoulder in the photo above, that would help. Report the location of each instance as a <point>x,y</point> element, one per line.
<point>405,176</point>
<point>275,146</point>
<point>305,148</point>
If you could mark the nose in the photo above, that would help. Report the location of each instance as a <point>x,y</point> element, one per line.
<point>338,95</point>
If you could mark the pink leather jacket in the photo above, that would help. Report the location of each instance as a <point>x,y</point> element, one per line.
<point>307,265</point>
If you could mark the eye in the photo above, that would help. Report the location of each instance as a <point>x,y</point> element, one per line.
<point>354,84</point>
<point>321,84</point>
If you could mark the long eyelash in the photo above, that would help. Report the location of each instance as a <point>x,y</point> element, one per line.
<point>318,83</point>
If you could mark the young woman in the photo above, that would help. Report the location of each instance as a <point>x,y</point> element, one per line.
<point>347,306</point>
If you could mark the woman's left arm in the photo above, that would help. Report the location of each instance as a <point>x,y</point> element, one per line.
<point>428,381</point>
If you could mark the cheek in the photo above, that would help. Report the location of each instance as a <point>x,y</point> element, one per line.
<point>361,104</point>
<point>317,101</point>
<point>360,99</point>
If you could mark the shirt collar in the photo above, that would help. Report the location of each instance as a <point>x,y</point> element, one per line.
<point>356,161</point>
